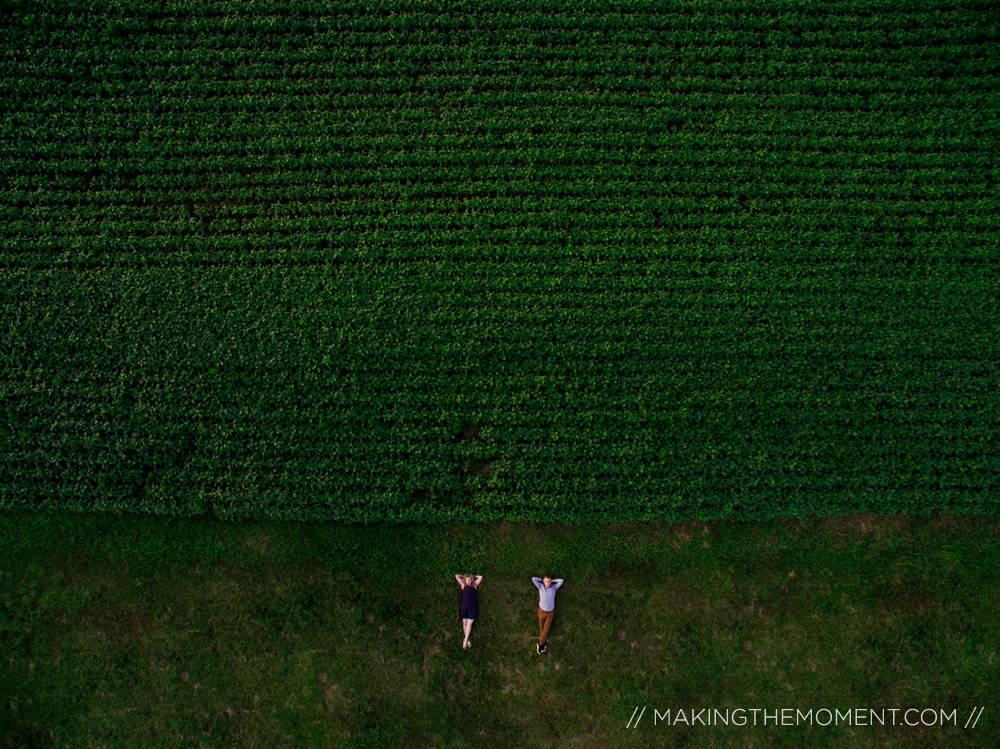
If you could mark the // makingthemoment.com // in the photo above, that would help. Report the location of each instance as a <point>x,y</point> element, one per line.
<point>794,717</point>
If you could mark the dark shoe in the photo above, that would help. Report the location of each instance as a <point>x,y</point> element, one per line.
<point>538,648</point>
<point>544,648</point>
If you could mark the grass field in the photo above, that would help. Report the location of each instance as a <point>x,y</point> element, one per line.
<point>126,632</point>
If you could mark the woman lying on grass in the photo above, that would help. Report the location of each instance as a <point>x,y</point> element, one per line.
<point>468,609</point>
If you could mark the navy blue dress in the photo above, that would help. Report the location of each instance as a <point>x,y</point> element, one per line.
<point>468,609</point>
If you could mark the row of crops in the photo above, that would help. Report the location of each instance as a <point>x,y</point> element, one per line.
<point>528,260</point>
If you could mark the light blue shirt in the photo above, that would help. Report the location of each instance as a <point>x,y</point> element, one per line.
<point>547,596</point>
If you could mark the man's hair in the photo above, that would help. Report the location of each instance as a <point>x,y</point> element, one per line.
<point>548,577</point>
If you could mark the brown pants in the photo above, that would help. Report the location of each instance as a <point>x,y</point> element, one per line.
<point>544,623</point>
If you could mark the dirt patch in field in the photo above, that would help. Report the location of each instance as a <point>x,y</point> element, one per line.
<point>465,467</point>
<point>473,433</point>
<point>470,432</point>
<point>884,528</point>
<point>942,521</point>
<point>853,527</point>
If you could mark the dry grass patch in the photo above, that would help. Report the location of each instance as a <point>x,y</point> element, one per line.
<point>848,529</point>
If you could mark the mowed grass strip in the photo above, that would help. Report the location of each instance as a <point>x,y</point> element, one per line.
<point>127,631</point>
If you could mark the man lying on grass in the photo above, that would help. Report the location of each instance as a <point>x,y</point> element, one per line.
<point>547,588</point>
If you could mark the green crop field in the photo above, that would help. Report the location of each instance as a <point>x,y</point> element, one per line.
<point>536,260</point>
